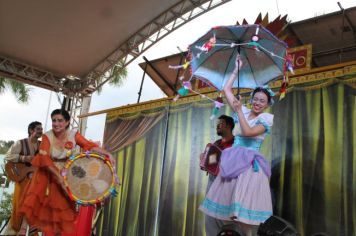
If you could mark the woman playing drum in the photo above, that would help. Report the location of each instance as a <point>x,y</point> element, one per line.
<point>46,205</point>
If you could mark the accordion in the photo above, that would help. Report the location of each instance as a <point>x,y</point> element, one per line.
<point>210,159</point>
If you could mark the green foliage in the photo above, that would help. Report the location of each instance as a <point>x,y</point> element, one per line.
<point>5,145</point>
<point>117,76</point>
<point>5,206</point>
<point>20,90</point>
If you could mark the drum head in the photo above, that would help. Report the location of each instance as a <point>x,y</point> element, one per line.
<point>89,178</point>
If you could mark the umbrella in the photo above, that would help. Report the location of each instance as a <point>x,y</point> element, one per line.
<point>214,54</point>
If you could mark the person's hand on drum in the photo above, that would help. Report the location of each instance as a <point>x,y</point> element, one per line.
<point>112,160</point>
<point>113,163</point>
<point>105,153</point>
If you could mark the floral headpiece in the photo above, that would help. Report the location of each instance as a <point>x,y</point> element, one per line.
<point>268,90</point>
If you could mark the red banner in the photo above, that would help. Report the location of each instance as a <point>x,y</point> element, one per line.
<point>301,57</point>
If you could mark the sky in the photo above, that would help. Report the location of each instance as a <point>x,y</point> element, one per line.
<point>15,117</point>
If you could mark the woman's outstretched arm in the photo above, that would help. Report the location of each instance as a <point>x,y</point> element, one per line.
<point>230,97</point>
<point>236,104</point>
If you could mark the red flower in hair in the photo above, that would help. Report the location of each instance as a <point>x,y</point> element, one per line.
<point>68,145</point>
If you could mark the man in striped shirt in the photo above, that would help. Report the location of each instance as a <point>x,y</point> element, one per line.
<point>22,151</point>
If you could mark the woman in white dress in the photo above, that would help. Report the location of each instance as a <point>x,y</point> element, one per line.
<point>241,191</point>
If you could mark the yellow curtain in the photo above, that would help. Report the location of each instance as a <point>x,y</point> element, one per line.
<point>311,149</point>
<point>139,167</point>
<point>313,167</point>
<point>123,131</point>
<point>183,183</point>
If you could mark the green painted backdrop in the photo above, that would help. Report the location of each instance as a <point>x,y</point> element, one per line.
<point>311,149</point>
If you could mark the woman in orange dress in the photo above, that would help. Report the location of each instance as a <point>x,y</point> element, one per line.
<point>46,204</point>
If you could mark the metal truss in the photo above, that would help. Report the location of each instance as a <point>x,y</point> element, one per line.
<point>10,68</point>
<point>147,36</point>
<point>77,105</point>
<point>78,90</point>
<point>143,39</point>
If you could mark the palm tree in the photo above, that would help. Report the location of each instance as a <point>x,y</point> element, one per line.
<point>117,75</point>
<point>6,205</point>
<point>20,90</point>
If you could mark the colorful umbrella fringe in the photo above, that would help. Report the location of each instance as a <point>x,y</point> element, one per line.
<point>207,47</point>
<point>187,87</point>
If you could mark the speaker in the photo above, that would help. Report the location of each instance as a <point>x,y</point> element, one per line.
<point>228,232</point>
<point>276,226</point>
<point>230,229</point>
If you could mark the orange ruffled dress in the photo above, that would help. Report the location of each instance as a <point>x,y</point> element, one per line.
<point>45,205</point>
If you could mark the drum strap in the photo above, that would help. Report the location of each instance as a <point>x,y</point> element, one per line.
<point>25,147</point>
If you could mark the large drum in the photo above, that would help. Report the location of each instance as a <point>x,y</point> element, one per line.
<point>89,178</point>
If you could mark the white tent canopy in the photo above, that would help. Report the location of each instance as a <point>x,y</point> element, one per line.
<point>42,42</point>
